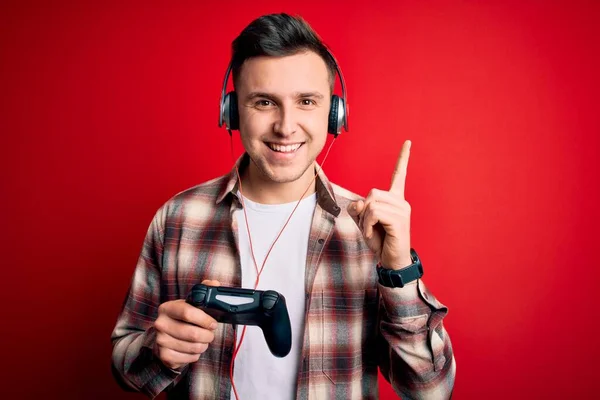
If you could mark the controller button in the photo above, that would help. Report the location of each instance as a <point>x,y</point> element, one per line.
<point>269,299</point>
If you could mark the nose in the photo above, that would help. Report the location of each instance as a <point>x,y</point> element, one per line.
<point>286,123</point>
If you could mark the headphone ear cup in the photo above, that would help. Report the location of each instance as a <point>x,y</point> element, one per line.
<point>332,125</point>
<point>230,111</point>
<point>234,116</point>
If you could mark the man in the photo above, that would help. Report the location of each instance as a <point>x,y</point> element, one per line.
<point>277,216</point>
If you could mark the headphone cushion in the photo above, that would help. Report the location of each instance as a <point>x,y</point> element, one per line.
<point>234,117</point>
<point>332,126</point>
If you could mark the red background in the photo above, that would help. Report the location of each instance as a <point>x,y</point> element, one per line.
<point>109,109</point>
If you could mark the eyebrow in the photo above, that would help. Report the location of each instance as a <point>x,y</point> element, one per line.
<point>302,95</point>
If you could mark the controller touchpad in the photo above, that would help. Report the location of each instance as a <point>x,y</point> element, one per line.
<point>234,300</point>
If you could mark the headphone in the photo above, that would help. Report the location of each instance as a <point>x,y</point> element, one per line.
<point>338,112</point>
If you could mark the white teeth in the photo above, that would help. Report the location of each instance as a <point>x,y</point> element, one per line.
<point>285,149</point>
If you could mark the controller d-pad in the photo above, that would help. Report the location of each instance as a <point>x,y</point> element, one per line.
<point>269,299</point>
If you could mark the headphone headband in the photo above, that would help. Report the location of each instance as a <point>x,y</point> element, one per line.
<point>222,110</point>
<point>343,83</point>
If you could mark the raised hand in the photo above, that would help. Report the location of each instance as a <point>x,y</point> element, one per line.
<point>384,218</point>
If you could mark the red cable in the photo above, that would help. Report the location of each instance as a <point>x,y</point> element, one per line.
<point>259,272</point>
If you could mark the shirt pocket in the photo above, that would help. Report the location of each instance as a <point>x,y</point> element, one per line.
<point>349,321</point>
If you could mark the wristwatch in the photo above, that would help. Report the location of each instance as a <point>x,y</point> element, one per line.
<point>400,277</point>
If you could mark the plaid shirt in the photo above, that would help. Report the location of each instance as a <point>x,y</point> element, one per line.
<point>353,325</point>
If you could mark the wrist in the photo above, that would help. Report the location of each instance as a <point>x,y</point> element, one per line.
<point>400,277</point>
<point>404,264</point>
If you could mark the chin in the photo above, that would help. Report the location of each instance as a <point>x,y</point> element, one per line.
<point>283,174</point>
<point>280,175</point>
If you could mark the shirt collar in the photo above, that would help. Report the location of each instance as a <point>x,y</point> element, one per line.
<point>325,195</point>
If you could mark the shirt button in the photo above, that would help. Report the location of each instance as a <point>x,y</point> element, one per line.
<point>321,241</point>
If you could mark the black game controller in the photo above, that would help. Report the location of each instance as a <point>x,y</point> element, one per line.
<point>267,310</point>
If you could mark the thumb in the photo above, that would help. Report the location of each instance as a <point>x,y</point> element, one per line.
<point>355,208</point>
<point>208,282</point>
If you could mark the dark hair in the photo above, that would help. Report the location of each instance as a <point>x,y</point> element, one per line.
<point>278,35</point>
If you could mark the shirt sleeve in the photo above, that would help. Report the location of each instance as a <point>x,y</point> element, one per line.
<point>134,364</point>
<point>415,351</point>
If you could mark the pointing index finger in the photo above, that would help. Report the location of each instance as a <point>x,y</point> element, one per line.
<point>399,176</point>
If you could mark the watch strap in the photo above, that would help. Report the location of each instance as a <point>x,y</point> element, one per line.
<point>400,277</point>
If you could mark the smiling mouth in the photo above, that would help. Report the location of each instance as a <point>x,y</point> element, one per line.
<point>290,148</point>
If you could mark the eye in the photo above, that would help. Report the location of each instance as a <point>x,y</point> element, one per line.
<point>263,103</point>
<point>308,102</point>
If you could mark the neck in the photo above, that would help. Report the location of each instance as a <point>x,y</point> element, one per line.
<point>258,188</point>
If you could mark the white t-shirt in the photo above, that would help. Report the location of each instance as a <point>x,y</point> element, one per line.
<point>257,373</point>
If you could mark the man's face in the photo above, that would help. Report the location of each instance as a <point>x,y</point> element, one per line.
<point>284,107</point>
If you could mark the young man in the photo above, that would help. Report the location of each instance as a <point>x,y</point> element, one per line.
<point>323,248</point>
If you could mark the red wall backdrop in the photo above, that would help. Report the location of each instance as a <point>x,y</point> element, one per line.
<point>108,109</point>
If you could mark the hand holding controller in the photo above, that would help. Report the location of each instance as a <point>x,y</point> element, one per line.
<point>183,332</point>
<point>266,310</point>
